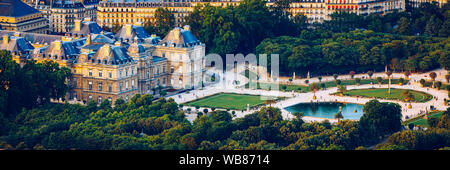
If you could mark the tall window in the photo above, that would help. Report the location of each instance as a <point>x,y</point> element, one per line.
<point>110,75</point>
<point>100,73</point>
<point>110,87</point>
<point>99,86</point>
<point>120,87</point>
<point>90,72</point>
<point>126,85</point>
<point>132,84</point>
<point>90,85</point>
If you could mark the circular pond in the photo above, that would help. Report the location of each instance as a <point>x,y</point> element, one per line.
<point>328,110</point>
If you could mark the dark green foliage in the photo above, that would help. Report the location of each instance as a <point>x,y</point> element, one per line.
<point>380,119</point>
<point>165,21</point>
<point>324,52</point>
<point>239,29</point>
<point>34,84</point>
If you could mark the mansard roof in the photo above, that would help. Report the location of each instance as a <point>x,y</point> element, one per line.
<point>99,38</point>
<point>67,4</point>
<point>61,49</point>
<point>136,32</point>
<point>111,55</point>
<point>136,48</point>
<point>15,44</point>
<point>179,37</point>
<point>89,27</point>
<point>33,37</point>
<point>15,8</point>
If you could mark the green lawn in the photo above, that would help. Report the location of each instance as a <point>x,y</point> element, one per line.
<point>228,101</point>
<point>382,93</point>
<point>328,84</point>
<point>296,88</point>
<point>421,121</point>
<point>363,81</point>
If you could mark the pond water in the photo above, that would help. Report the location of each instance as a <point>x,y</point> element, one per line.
<point>328,110</point>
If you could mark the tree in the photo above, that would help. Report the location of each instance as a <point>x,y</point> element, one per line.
<point>404,26</point>
<point>422,82</point>
<point>380,119</point>
<point>447,77</point>
<point>370,74</point>
<point>401,81</point>
<point>284,87</point>
<point>314,87</point>
<point>438,85</point>
<point>197,107</point>
<point>105,105</point>
<point>162,93</point>
<point>338,116</point>
<point>352,74</point>
<point>389,73</point>
<point>444,61</point>
<point>358,81</point>
<point>335,76</point>
<point>189,110</point>
<point>379,80</point>
<point>320,78</point>
<point>342,89</point>
<point>408,96</point>
<point>407,74</point>
<point>433,76</point>
<point>164,22</point>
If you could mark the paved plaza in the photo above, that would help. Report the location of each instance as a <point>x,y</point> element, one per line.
<point>227,86</point>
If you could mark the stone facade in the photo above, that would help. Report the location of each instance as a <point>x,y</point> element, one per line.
<point>121,12</point>
<point>107,66</point>
<point>18,16</point>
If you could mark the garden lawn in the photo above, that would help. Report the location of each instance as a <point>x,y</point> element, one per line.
<point>228,101</point>
<point>396,94</point>
<point>423,122</point>
<point>328,84</point>
<point>289,87</point>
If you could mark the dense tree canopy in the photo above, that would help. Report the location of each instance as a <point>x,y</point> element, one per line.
<point>239,29</point>
<point>324,52</point>
<point>164,22</point>
<point>30,85</point>
<point>428,20</point>
<point>145,124</point>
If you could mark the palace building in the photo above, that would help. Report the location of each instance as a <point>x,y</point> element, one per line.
<point>62,14</point>
<point>121,12</point>
<point>108,66</point>
<point>18,16</point>
<point>416,3</point>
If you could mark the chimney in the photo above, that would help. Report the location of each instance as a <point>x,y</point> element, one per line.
<point>176,34</point>
<point>77,25</point>
<point>88,40</point>
<point>107,49</point>
<point>5,39</point>
<point>58,45</point>
<point>118,43</point>
<point>187,28</point>
<point>128,29</point>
